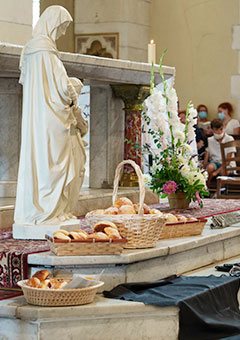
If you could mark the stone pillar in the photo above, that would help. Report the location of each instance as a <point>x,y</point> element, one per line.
<point>235,79</point>
<point>106,135</point>
<point>10,132</point>
<point>133,97</point>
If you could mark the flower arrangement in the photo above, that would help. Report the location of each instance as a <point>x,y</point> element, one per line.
<point>175,166</point>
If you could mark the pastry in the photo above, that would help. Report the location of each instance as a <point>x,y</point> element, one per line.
<point>61,236</point>
<point>127,209</point>
<point>42,274</point>
<point>112,233</point>
<point>146,209</point>
<point>111,211</point>
<point>34,282</point>
<point>100,226</point>
<point>122,201</point>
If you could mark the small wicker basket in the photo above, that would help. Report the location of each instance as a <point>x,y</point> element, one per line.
<point>182,229</point>
<point>91,247</point>
<point>140,230</point>
<point>59,297</point>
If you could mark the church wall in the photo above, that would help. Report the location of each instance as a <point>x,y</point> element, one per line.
<point>15,21</point>
<point>198,36</point>
<point>128,18</point>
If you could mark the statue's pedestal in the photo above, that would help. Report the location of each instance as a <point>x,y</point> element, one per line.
<point>38,231</point>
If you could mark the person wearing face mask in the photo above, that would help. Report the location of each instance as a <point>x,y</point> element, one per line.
<point>213,158</point>
<point>232,126</point>
<point>202,115</point>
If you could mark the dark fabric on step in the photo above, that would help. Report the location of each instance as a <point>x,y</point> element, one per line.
<point>208,305</point>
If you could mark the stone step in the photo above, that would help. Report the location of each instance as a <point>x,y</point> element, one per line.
<point>104,319</point>
<point>172,256</point>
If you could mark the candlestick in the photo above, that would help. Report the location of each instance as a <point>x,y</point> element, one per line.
<point>152,52</point>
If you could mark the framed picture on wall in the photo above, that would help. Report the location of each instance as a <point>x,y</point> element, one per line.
<point>98,44</point>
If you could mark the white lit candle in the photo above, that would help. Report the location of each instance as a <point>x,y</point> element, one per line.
<point>152,52</point>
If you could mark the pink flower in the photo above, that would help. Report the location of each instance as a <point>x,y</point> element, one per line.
<point>170,187</point>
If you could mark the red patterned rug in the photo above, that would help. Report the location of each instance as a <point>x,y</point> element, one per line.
<point>210,207</point>
<point>13,258</point>
<point>9,294</point>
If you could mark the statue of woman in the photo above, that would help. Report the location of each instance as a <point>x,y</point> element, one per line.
<point>48,163</point>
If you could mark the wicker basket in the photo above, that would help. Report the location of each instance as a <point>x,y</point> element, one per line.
<point>59,297</point>
<point>182,229</point>
<point>140,230</point>
<point>75,247</point>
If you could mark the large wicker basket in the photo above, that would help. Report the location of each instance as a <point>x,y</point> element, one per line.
<point>59,297</point>
<point>182,229</point>
<point>140,230</point>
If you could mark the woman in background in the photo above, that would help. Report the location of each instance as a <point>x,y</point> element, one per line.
<point>231,126</point>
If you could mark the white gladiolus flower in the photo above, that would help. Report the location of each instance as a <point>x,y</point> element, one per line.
<point>179,135</point>
<point>147,179</point>
<point>172,100</point>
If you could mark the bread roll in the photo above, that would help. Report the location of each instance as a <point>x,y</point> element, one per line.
<point>95,212</point>
<point>146,209</point>
<point>59,235</point>
<point>57,283</point>
<point>156,211</point>
<point>102,236</point>
<point>34,282</point>
<point>122,201</point>
<point>100,226</point>
<point>127,209</point>
<point>65,232</point>
<point>45,284</point>
<point>111,211</point>
<point>42,274</point>
<point>170,218</point>
<point>181,218</point>
<point>112,233</point>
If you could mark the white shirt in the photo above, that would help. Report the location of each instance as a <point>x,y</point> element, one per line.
<point>231,125</point>
<point>214,148</point>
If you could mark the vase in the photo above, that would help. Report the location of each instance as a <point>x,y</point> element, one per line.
<point>178,200</point>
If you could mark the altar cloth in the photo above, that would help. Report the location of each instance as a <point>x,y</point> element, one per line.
<point>208,305</point>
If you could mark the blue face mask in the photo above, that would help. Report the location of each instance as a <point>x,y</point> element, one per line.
<point>221,115</point>
<point>202,114</point>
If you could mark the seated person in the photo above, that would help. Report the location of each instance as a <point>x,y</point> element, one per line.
<point>202,116</point>
<point>232,126</point>
<point>213,157</point>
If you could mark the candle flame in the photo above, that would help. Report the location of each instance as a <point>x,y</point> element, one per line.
<point>152,42</point>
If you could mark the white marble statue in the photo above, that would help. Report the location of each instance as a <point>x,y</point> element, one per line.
<point>52,154</point>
